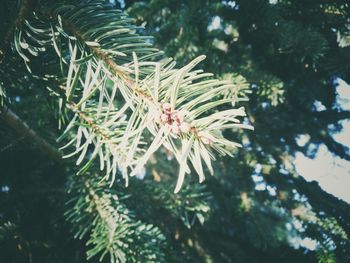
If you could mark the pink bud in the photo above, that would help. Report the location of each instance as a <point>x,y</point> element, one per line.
<point>164,117</point>
<point>167,126</point>
<point>185,127</point>
<point>166,107</point>
<point>174,115</point>
<point>175,128</point>
<point>206,140</point>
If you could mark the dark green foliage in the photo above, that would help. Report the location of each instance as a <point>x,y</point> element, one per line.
<point>32,225</point>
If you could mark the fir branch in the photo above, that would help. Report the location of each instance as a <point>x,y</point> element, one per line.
<point>26,8</point>
<point>111,228</point>
<point>73,30</point>
<point>177,106</point>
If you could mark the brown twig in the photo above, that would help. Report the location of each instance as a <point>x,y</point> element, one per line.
<point>23,130</point>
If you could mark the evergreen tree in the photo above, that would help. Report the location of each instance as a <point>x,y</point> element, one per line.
<point>81,79</point>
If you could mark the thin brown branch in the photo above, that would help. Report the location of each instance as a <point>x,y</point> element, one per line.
<point>23,130</point>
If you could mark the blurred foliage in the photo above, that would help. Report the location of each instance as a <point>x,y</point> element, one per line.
<point>256,208</point>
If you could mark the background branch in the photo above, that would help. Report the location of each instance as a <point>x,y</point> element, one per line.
<point>23,130</point>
